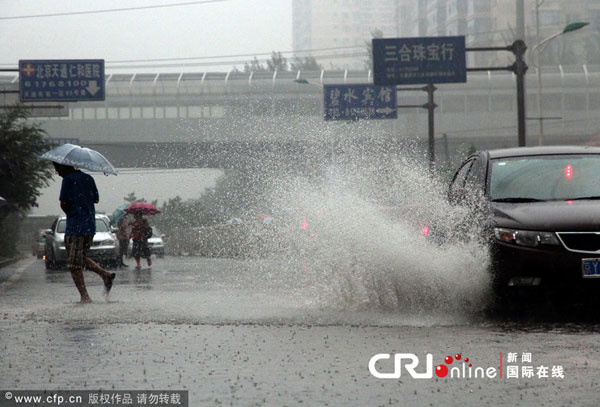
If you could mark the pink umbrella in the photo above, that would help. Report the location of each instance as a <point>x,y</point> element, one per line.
<point>144,207</point>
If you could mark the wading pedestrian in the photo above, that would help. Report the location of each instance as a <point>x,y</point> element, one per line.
<point>78,194</point>
<point>141,231</point>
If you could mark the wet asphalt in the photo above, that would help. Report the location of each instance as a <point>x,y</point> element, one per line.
<point>266,332</point>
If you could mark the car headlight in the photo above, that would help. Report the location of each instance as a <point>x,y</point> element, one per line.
<point>526,237</point>
<point>107,242</point>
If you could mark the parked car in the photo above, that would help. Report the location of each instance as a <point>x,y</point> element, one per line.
<point>542,208</point>
<point>38,243</point>
<point>104,248</point>
<point>156,243</point>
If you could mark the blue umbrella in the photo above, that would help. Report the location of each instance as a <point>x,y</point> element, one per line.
<point>118,213</point>
<point>80,157</point>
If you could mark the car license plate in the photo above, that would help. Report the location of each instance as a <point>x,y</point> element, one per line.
<point>590,268</point>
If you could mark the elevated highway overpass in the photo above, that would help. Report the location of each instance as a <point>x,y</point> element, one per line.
<point>224,119</point>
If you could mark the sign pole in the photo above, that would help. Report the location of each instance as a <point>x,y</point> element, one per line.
<point>431,140</point>
<point>520,68</point>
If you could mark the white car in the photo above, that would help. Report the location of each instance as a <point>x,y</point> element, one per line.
<point>104,248</point>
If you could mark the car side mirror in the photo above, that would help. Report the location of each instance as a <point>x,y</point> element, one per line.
<point>114,229</point>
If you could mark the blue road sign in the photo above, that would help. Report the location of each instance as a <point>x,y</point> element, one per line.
<point>61,80</point>
<point>365,101</point>
<point>406,61</point>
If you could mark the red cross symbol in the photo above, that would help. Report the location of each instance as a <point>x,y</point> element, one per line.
<point>28,69</point>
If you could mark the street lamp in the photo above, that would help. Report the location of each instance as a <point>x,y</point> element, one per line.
<point>538,49</point>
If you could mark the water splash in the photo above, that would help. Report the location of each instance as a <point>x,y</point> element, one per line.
<point>358,235</point>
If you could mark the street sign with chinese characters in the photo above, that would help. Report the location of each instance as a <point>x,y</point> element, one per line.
<point>351,102</point>
<point>408,61</point>
<point>61,80</point>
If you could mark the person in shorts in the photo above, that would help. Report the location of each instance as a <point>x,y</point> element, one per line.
<point>78,194</point>
<point>140,248</point>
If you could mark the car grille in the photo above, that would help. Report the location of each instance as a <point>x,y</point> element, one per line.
<point>588,242</point>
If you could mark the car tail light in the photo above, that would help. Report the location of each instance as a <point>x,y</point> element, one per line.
<point>568,171</point>
<point>304,225</point>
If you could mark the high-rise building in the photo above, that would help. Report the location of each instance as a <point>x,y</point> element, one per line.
<point>338,24</point>
<point>341,24</point>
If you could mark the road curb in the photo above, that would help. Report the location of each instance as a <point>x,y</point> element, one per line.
<point>8,262</point>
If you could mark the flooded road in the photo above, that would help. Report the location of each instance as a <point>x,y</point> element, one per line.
<point>268,332</point>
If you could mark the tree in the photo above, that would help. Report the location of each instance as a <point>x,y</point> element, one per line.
<point>22,173</point>
<point>306,64</point>
<point>131,198</point>
<point>277,62</point>
<point>376,33</point>
<point>254,66</point>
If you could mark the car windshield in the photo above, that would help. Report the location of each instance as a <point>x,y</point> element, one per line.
<point>545,178</point>
<point>101,226</point>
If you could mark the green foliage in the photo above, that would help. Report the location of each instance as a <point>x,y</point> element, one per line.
<point>277,62</point>
<point>236,194</point>
<point>131,198</point>
<point>254,66</point>
<point>306,64</point>
<point>22,173</point>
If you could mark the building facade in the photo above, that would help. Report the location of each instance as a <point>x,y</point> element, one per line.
<point>348,25</point>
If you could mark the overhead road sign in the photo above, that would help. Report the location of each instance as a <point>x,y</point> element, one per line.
<point>359,101</point>
<point>61,80</point>
<point>424,60</point>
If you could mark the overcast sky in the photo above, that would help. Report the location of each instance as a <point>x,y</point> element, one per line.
<point>203,29</point>
<point>209,29</point>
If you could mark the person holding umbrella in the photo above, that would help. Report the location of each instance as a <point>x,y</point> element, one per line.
<point>141,230</point>
<point>78,195</point>
<point>119,218</point>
